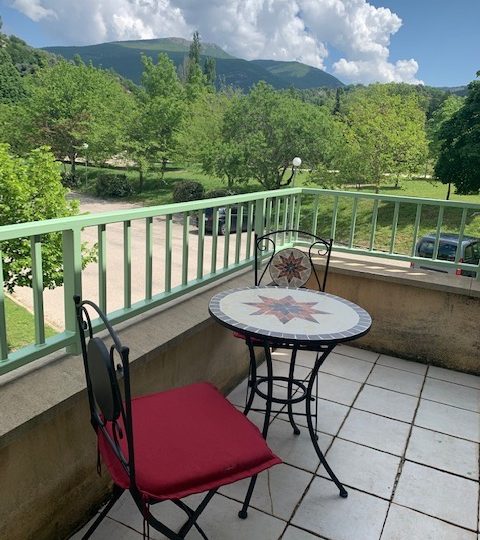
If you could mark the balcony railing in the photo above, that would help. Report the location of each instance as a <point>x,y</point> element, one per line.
<point>358,222</point>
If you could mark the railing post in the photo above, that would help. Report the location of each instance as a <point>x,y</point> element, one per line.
<point>3,324</point>
<point>37,286</point>
<point>259,225</point>
<point>72,281</point>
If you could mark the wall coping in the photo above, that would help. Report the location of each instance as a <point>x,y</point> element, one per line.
<point>399,272</point>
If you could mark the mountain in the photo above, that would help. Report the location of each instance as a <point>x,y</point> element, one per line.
<point>124,58</point>
<point>461,91</point>
<point>299,75</point>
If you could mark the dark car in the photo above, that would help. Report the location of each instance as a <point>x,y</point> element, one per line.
<point>447,250</point>
<point>222,217</point>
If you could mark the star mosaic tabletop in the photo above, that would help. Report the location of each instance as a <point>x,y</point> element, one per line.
<point>290,314</point>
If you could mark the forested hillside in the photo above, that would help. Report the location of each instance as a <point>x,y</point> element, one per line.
<point>125,58</point>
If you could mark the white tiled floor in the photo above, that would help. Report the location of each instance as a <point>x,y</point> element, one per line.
<point>403,437</point>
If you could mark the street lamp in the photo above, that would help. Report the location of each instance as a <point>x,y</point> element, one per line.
<point>84,147</point>
<point>296,162</point>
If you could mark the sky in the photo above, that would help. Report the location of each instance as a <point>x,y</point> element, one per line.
<point>435,42</point>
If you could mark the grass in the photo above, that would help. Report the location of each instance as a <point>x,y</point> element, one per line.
<point>20,326</point>
<point>406,219</point>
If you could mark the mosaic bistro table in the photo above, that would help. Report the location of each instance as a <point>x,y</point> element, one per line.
<point>296,319</point>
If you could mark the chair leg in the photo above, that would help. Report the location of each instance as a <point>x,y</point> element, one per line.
<point>266,422</point>
<point>116,494</point>
<point>194,514</point>
<point>252,377</point>
<point>243,512</point>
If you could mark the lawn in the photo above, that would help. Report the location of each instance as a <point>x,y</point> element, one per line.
<point>20,326</point>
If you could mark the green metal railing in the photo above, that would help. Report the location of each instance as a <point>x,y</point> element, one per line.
<point>336,214</point>
<point>376,225</point>
<point>230,252</point>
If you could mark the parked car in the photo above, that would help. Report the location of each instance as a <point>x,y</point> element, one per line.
<point>222,215</point>
<point>447,250</point>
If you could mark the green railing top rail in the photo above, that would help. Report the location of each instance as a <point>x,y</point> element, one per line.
<point>393,198</point>
<point>19,230</point>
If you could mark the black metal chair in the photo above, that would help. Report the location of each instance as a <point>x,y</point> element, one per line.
<point>163,446</point>
<point>287,267</point>
<point>290,266</point>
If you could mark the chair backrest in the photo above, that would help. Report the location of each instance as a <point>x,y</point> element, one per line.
<point>290,266</point>
<point>110,408</point>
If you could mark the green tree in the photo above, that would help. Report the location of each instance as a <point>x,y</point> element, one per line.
<point>32,191</point>
<point>70,105</point>
<point>383,132</point>
<point>266,129</point>
<point>459,158</point>
<point>200,139</point>
<point>195,80</point>
<point>210,72</point>
<point>11,84</point>
<point>157,116</point>
<point>434,125</point>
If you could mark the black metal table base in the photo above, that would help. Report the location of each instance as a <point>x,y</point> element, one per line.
<point>304,389</point>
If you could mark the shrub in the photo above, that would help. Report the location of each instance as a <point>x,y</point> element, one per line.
<point>187,191</point>
<point>69,180</point>
<point>220,192</point>
<point>113,185</point>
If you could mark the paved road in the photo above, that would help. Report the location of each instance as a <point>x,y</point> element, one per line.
<point>53,299</point>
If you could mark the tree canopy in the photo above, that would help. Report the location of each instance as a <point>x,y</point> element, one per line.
<point>72,104</point>
<point>459,158</point>
<point>158,114</point>
<point>11,85</point>
<point>32,191</point>
<point>383,132</point>
<point>263,131</point>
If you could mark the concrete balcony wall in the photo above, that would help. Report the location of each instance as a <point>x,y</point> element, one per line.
<point>427,317</point>
<point>47,447</point>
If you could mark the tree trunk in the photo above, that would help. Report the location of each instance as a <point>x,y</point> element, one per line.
<point>164,168</point>
<point>397,180</point>
<point>140,179</point>
<point>73,158</point>
<point>448,191</point>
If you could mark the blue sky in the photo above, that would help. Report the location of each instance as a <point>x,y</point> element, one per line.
<point>437,42</point>
<point>442,35</point>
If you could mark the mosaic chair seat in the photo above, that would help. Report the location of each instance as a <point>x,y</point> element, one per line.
<point>166,445</point>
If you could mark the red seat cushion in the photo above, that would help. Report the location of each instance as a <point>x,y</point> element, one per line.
<point>243,336</point>
<point>188,440</point>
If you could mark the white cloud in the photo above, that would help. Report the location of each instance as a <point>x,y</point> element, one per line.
<point>280,29</point>
<point>33,9</point>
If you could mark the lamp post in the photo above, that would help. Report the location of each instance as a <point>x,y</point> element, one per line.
<point>296,162</point>
<point>84,147</point>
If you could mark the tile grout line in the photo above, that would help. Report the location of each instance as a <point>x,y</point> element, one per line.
<point>403,457</point>
<point>315,473</point>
